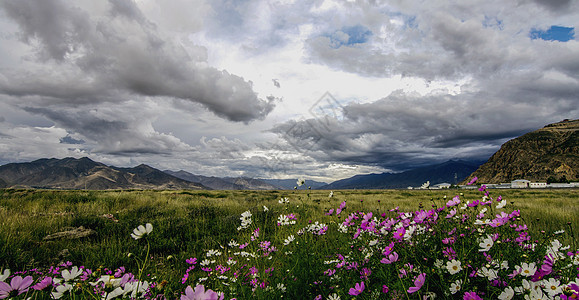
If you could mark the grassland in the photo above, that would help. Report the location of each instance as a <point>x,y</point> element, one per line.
<point>188,223</point>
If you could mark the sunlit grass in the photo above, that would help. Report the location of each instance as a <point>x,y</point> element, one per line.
<point>188,223</point>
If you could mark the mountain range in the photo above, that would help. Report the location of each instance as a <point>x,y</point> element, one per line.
<point>448,172</point>
<point>84,173</point>
<point>225,183</point>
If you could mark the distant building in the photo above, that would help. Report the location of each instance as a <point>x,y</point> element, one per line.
<point>561,185</point>
<point>441,186</point>
<point>520,184</point>
<point>538,185</point>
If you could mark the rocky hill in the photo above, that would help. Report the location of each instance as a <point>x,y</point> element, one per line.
<point>550,152</point>
<point>84,173</point>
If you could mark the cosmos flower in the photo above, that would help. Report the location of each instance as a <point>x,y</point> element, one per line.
<point>357,289</point>
<point>527,269</point>
<point>455,287</point>
<point>18,285</point>
<point>72,274</point>
<point>301,182</point>
<point>507,294</point>
<point>453,266</point>
<point>200,294</point>
<point>486,244</point>
<point>141,231</point>
<point>5,274</point>
<point>418,283</point>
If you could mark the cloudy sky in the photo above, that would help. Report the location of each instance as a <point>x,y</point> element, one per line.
<point>323,89</point>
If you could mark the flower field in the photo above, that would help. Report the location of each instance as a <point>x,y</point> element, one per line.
<point>446,244</point>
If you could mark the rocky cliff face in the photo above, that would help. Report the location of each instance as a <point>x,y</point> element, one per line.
<point>552,151</point>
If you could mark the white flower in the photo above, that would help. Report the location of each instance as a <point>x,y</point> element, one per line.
<point>334,296</point>
<point>455,287</point>
<point>288,240</point>
<point>245,220</point>
<point>535,295</point>
<point>486,244</point>
<point>559,232</point>
<point>490,274</point>
<point>527,269</point>
<point>281,287</point>
<point>213,253</point>
<point>507,294</point>
<point>72,274</point>
<point>5,274</point>
<point>61,290</point>
<point>301,182</point>
<point>205,262</point>
<point>115,293</point>
<point>453,266</point>
<point>265,208</point>
<point>552,287</point>
<point>502,204</point>
<point>231,262</point>
<point>331,194</point>
<point>141,231</point>
<point>233,244</point>
<point>283,200</point>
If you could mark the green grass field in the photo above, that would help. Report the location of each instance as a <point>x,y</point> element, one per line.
<point>188,223</point>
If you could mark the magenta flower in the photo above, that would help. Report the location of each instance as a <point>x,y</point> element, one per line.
<point>472,181</point>
<point>399,234</point>
<point>357,289</point>
<point>393,257</point>
<point>418,283</point>
<point>455,200</point>
<point>471,296</point>
<point>17,286</point>
<point>385,289</point>
<point>200,294</point>
<point>44,283</point>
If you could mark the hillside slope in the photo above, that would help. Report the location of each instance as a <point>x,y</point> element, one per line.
<point>552,151</point>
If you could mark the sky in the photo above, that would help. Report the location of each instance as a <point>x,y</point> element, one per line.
<point>321,89</point>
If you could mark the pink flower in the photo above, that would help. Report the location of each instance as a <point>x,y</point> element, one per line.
<point>393,257</point>
<point>385,289</point>
<point>44,283</point>
<point>357,289</point>
<point>455,200</point>
<point>17,286</point>
<point>399,234</point>
<point>471,296</point>
<point>341,208</point>
<point>418,282</point>
<point>472,181</point>
<point>200,294</point>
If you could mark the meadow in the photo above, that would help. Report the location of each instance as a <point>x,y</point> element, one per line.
<point>289,244</point>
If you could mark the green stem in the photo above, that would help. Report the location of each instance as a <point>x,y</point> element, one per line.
<point>144,265</point>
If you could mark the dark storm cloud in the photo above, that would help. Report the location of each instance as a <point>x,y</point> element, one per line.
<point>112,130</point>
<point>116,55</point>
<point>408,130</point>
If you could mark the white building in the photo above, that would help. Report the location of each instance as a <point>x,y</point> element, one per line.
<point>520,184</point>
<point>440,186</point>
<point>538,185</point>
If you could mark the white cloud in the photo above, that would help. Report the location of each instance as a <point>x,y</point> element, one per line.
<point>191,84</point>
